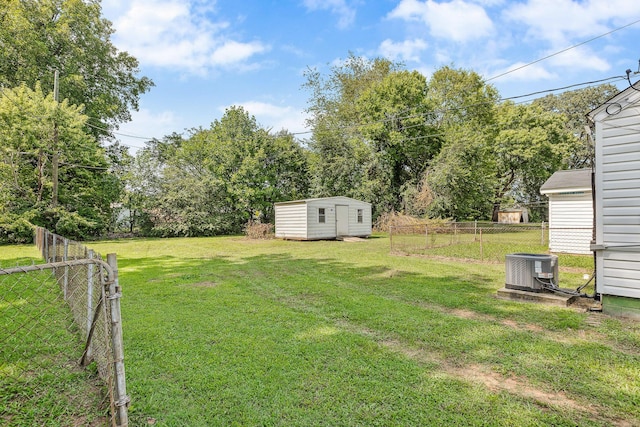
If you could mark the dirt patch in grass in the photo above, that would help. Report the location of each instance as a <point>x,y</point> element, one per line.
<point>480,375</point>
<point>467,314</point>
<point>493,381</point>
<point>496,382</point>
<point>521,326</point>
<point>204,285</point>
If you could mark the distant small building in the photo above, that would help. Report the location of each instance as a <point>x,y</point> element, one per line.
<point>513,216</point>
<point>322,218</point>
<point>570,211</point>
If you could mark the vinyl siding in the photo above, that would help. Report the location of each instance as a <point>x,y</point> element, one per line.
<point>291,221</point>
<point>618,199</point>
<point>316,229</point>
<point>360,229</point>
<point>299,219</point>
<point>570,223</point>
<point>620,273</point>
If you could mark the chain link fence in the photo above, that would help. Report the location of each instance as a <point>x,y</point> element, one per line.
<point>61,354</point>
<point>486,241</point>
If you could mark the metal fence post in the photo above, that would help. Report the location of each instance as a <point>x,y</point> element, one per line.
<point>54,249</point>
<point>65,258</point>
<point>426,237</point>
<point>455,232</point>
<point>45,251</point>
<point>90,269</point>
<point>481,248</point>
<point>542,234</point>
<point>122,400</point>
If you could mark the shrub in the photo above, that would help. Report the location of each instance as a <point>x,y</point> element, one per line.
<point>258,230</point>
<point>15,229</point>
<point>394,219</point>
<point>72,225</point>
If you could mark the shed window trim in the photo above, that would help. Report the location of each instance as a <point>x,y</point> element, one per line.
<point>322,217</point>
<point>360,213</point>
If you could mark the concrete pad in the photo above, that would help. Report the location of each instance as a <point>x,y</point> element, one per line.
<point>539,297</point>
<point>351,239</point>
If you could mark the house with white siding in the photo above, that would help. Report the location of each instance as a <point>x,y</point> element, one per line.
<point>617,188</point>
<point>322,218</point>
<point>570,211</point>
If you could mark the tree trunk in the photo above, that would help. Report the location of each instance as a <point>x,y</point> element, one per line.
<point>496,210</point>
<point>40,184</point>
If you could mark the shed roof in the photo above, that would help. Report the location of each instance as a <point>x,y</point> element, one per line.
<point>334,198</point>
<point>567,180</point>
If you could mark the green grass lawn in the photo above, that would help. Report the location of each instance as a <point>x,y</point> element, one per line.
<point>229,331</point>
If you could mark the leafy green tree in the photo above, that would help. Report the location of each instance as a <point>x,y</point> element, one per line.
<point>275,170</point>
<point>398,131</point>
<point>35,129</point>
<point>378,128</point>
<point>493,153</point>
<point>461,98</point>
<point>217,179</point>
<point>575,105</point>
<point>530,145</point>
<point>461,178</point>
<point>342,159</point>
<point>40,36</point>
<point>333,97</point>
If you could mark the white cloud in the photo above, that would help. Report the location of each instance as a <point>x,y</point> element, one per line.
<point>490,3</point>
<point>456,20</point>
<point>232,52</point>
<point>176,34</point>
<point>274,116</point>
<point>520,71</point>
<point>580,59</point>
<point>346,14</point>
<point>557,21</point>
<point>408,50</point>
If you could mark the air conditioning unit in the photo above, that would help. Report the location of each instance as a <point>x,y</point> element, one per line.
<point>531,272</point>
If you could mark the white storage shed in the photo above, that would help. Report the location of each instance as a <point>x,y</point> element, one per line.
<point>570,211</point>
<point>322,218</point>
<point>617,183</point>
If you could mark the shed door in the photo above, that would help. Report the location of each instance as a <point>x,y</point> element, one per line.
<point>342,220</point>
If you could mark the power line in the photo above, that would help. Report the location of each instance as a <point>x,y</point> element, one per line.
<point>73,165</point>
<point>566,87</point>
<point>562,51</point>
<point>389,119</point>
<point>48,156</point>
<point>148,138</point>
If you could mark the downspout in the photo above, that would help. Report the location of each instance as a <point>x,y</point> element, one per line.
<point>596,296</point>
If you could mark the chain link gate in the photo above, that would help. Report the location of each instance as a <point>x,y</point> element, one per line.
<point>55,319</point>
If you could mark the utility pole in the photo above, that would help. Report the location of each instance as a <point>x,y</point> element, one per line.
<point>54,159</point>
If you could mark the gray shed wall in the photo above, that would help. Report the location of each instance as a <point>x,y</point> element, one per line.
<point>300,219</point>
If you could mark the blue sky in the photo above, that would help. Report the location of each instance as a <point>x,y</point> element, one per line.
<point>205,56</point>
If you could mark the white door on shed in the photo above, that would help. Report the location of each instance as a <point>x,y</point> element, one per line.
<point>342,220</point>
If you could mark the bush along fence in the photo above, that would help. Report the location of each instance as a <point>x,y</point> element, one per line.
<point>486,241</point>
<point>61,352</point>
